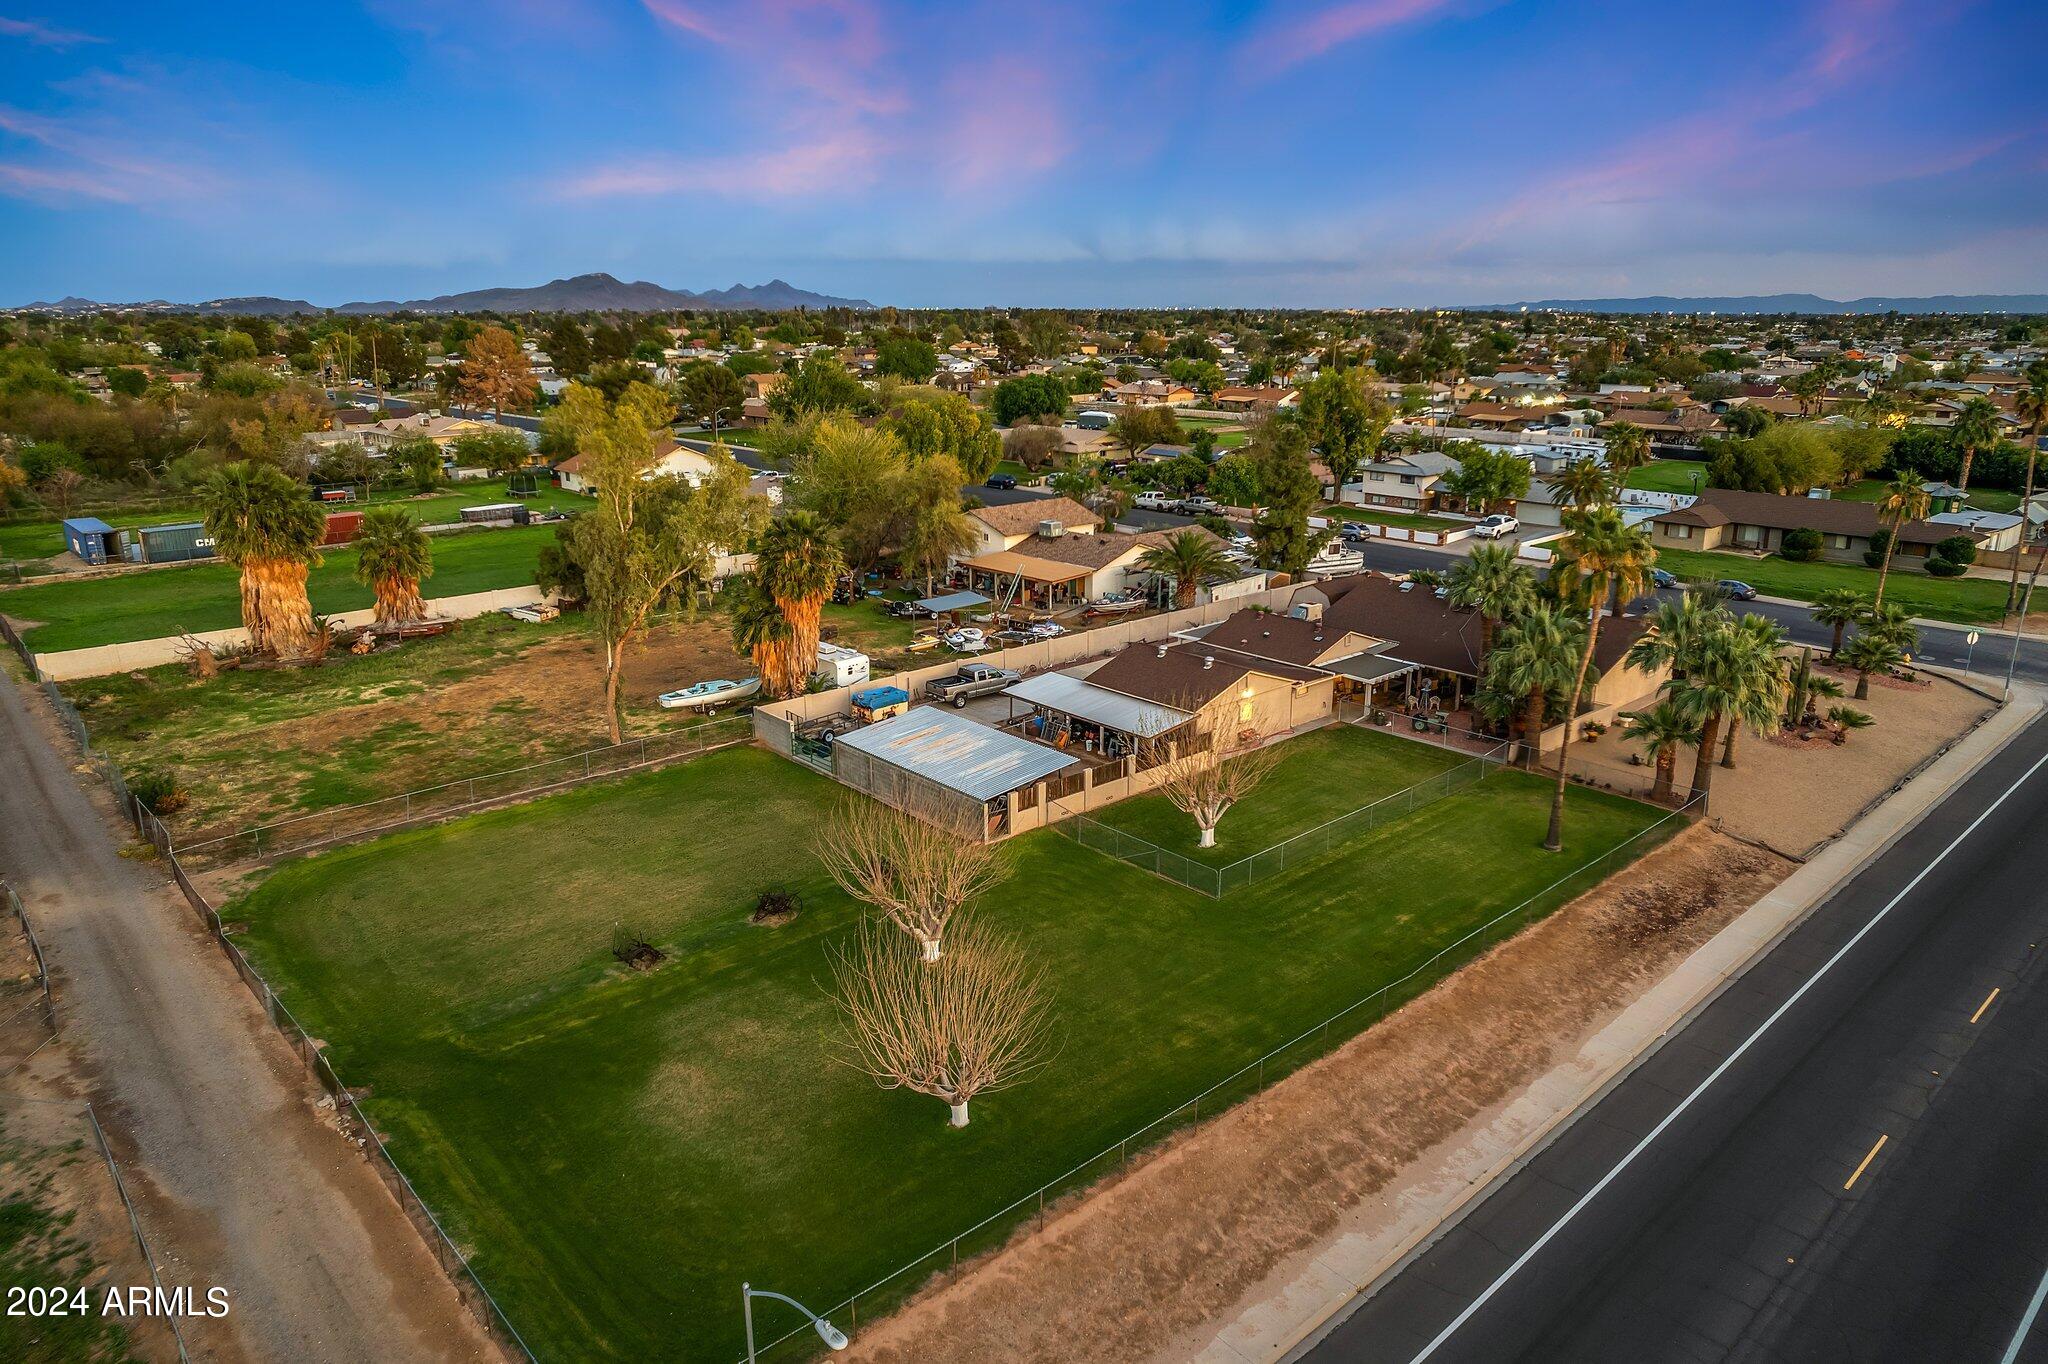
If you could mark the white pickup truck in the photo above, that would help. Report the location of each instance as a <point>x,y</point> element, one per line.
<point>1494,527</point>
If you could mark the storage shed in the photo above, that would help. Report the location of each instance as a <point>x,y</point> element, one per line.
<point>943,767</point>
<point>342,527</point>
<point>92,539</point>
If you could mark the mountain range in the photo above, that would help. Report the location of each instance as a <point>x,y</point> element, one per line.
<point>599,293</point>
<point>1787,303</point>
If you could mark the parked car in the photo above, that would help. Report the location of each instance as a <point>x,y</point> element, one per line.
<point>1736,590</point>
<point>1660,578</point>
<point>973,679</point>
<point>1244,542</point>
<point>1495,526</point>
<point>1005,482</point>
<point>1356,530</point>
<point>1199,506</point>
<point>1154,500</point>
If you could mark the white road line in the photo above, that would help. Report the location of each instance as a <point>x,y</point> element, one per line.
<point>2019,1337</point>
<point>1722,1069</point>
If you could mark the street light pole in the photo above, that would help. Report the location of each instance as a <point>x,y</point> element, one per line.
<point>827,1332</point>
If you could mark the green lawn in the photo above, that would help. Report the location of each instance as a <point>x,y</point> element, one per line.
<point>1319,777</point>
<point>619,1150</point>
<point>1669,476</point>
<point>1984,499</point>
<point>44,539</point>
<point>1387,517</point>
<point>1968,601</point>
<point>147,605</point>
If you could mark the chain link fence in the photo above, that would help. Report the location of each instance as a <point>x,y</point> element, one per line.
<point>45,1002</point>
<point>1307,846</point>
<point>944,1260</point>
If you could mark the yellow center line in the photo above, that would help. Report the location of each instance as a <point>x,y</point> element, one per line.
<point>1866,1162</point>
<point>1985,1005</point>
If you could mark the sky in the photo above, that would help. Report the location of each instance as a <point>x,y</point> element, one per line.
<point>1051,153</point>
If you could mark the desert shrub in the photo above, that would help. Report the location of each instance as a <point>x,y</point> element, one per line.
<point>158,790</point>
<point>777,905</point>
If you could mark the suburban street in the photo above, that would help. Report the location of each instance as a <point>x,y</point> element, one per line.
<point>1837,1159</point>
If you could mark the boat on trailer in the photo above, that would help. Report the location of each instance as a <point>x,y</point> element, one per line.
<point>709,695</point>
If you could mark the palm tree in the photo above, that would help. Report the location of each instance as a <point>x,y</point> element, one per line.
<point>392,555</point>
<point>1536,654</point>
<point>2031,408</point>
<point>1628,449</point>
<point>1708,692</point>
<point>1674,633</point>
<point>1891,622</point>
<point>1871,653</point>
<point>1662,730</point>
<point>1609,553</point>
<point>1839,607</point>
<point>263,523</point>
<point>1494,583</point>
<point>1903,500</point>
<point>1761,679</point>
<point>795,565</point>
<point>1976,428</point>
<point>1188,557</point>
<point>1582,484</point>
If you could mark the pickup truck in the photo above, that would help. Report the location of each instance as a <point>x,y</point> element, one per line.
<point>1154,500</point>
<point>1198,506</point>
<point>973,679</point>
<point>1494,527</point>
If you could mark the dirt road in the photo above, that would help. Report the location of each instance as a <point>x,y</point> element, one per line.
<point>242,1183</point>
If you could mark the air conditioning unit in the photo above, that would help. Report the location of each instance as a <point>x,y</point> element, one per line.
<point>1051,530</point>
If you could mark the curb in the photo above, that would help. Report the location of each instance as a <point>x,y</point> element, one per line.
<point>1747,940</point>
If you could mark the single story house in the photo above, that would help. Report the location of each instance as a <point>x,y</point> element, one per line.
<point>444,431</point>
<point>1240,398</point>
<point>1049,571</point>
<point>672,460</point>
<point>1727,518</point>
<point>1995,531</point>
<point>1007,524</point>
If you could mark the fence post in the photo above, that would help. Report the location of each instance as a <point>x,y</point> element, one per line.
<point>472,790</point>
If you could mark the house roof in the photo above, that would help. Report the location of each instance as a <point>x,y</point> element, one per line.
<point>1423,628</point>
<point>1021,518</point>
<point>1267,635</point>
<point>1113,710</point>
<point>1037,570</point>
<point>1091,552</point>
<point>1829,515</point>
<point>960,754</point>
<point>1189,675</point>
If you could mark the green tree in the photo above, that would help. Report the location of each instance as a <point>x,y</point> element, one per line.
<point>1188,557</point>
<point>1839,607</point>
<point>1345,420</point>
<point>2031,408</point>
<point>263,524</point>
<point>1534,658</point>
<point>1870,653</point>
<point>1976,428</point>
<point>947,424</point>
<point>1138,429</point>
<point>710,394</point>
<point>1491,581</point>
<point>1902,501</point>
<point>1490,480</point>
<point>1029,397</point>
<point>782,605</point>
<point>418,461</point>
<point>1760,681</point>
<point>1662,730</point>
<point>1289,493</point>
<point>932,527</point>
<point>392,556</point>
<point>568,348</point>
<point>1628,449</point>
<point>1607,553</point>
<point>500,450</point>
<point>906,357</point>
<point>820,385</point>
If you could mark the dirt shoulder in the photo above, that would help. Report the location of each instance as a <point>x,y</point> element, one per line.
<point>1187,1237</point>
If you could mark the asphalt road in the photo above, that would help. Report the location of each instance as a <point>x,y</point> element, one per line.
<point>1839,1159</point>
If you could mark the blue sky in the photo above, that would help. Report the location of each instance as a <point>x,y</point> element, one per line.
<point>1351,152</point>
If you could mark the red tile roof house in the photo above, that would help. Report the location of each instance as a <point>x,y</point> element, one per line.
<point>1724,518</point>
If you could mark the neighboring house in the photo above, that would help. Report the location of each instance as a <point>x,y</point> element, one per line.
<point>1046,571</point>
<point>378,437</point>
<point>671,460</point>
<point>1995,531</point>
<point>1006,525</point>
<point>1242,399</point>
<point>1725,518</point>
<point>1405,480</point>
<point>761,385</point>
<point>1150,393</point>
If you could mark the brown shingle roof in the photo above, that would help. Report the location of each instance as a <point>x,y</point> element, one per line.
<point>1021,518</point>
<point>1426,629</point>
<point>1268,635</point>
<point>1188,676</point>
<point>1829,515</point>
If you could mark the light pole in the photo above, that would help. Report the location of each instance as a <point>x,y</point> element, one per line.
<point>827,1332</point>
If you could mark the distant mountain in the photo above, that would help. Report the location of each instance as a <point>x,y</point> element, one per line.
<point>1787,303</point>
<point>584,293</point>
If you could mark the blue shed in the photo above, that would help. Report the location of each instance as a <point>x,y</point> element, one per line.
<point>92,539</point>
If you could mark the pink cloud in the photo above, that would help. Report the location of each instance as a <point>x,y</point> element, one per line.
<point>94,165</point>
<point>834,50</point>
<point>37,182</point>
<point>1288,42</point>
<point>832,165</point>
<point>44,35</point>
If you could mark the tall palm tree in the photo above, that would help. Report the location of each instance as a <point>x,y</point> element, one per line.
<point>1709,691</point>
<point>1976,428</point>
<point>2031,408</point>
<point>1761,681</point>
<point>795,565</point>
<point>1188,557</point>
<point>263,523</point>
<point>392,555</point>
<point>1493,582</point>
<point>1628,449</point>
<point>1536,654</point>
<point>1662,730</point>
<point>1839,607</point>
<point>1582,484</point>
<point>1609,553</point>
<point>1903,500</point>
<point>1675,631</point>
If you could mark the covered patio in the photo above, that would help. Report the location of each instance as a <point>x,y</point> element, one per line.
<point>1073,713</point>
<point>1025,580</point>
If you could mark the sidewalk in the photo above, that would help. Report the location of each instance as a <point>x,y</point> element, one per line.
<point>1437,1187</point>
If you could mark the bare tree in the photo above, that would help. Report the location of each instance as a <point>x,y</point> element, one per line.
<point>952,1027</point>
<point>908,865</point>
<point>1209,773</point>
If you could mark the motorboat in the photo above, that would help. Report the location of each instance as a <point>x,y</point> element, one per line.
<point>967,639</point>
<point>709,695</point>
<point>1336,557</point>
<point>1117,603</point>
<point>1044,629</point>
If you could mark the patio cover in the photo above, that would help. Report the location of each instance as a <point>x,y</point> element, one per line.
<point>1008,561</point>
<point>952,601</point>
<point>1097,705</point>
<point>1370,666</point>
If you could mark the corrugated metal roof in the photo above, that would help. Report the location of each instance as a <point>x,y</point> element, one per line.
<point>1099,705</point>
<point>954,601</point>
<point>959,754</point>
<point>1370,666</point>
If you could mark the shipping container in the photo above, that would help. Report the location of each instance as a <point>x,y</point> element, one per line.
<point>172,544</point>
<point>514,512</point>
<point>92,539</point>
<point>342,527</point>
